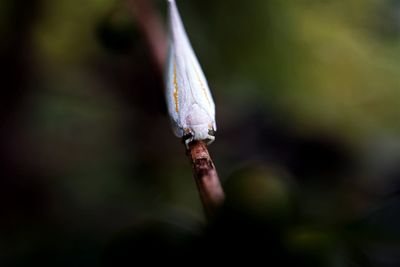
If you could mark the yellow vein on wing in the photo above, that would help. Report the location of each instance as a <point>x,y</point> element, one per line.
<point>175,93</point>
<point>201,84</point>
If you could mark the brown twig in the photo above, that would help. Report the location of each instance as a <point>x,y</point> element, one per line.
<point>152,28</point>
<point>205,174</point>
<point>206,177</point>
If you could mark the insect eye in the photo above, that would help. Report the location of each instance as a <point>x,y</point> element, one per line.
<point>187,136</point>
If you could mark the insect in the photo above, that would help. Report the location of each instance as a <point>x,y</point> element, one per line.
<point>189,100</point>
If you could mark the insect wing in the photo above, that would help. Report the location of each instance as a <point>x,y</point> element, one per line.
<point>192,73</point>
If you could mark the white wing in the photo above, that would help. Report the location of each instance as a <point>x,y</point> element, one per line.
<point>177,93</point>
<point>186,83</point>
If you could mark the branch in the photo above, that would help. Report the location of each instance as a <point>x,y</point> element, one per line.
<point>205,174</point>
<point>206,177</point>
<point>152,28</point>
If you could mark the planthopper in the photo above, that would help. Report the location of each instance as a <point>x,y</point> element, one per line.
<point>189,100</point>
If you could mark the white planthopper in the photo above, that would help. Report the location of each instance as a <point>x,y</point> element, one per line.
<point>190,103</point>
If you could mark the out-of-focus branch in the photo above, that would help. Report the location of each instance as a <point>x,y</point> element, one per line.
<point>152,28</point>
<point>205,174</point>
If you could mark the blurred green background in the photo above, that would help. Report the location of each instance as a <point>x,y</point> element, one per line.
<point>308,147</point>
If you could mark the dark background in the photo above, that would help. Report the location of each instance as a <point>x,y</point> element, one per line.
<point>308,148</point>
